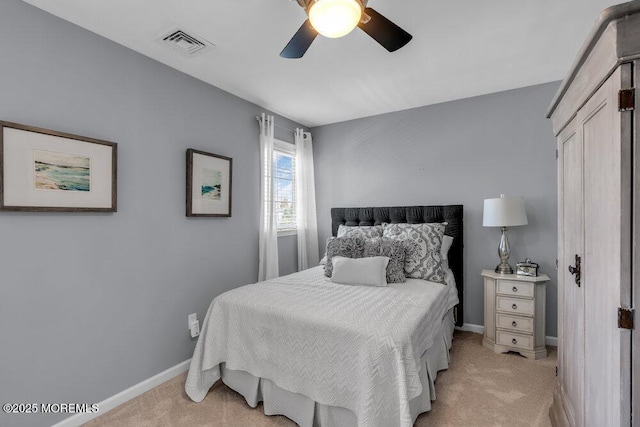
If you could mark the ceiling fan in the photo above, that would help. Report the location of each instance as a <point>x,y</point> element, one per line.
<point>336,18</point>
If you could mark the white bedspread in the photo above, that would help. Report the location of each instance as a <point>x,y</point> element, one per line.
<point>352,346</point>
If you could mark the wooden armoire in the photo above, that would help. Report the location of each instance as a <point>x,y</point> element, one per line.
<point>595,119</point>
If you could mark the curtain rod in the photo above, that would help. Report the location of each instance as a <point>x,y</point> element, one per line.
<point>277,125</point>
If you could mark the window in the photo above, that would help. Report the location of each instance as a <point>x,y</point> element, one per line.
<point>284,185</point>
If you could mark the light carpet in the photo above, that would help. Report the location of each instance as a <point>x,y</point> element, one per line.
<point>480,388</point>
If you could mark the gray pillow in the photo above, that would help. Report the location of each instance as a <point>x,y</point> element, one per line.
<point>395,250</point>
<point>424,260</point>
<point>348,247</point>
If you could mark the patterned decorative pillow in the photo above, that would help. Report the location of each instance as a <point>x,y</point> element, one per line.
<point>348,247</point>
<point>424,260</point>
<point>367,231</point>
<point>395,250</point>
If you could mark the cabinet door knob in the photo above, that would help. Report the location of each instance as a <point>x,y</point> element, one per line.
<point>515,307</point>
<point>514,341</point>
<point>514,324</point>
<point>514,289</point>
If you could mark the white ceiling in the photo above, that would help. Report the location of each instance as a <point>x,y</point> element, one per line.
<point>460,48</point>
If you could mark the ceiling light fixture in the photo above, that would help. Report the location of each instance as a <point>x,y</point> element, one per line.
<point>335,18</point>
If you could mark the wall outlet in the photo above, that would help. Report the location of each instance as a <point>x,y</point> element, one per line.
<point>193,324</point>
<point>195,329</point>
<point>192,318</point>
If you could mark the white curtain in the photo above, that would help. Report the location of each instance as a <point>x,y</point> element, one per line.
<point>268,241</point>
<point>308,255</point>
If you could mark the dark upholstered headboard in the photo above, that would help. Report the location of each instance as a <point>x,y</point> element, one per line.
<point>451,214</point>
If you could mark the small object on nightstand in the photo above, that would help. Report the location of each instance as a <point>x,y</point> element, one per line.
<point>527,268</point>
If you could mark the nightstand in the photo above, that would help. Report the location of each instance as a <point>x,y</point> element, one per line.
<point>514,313</point>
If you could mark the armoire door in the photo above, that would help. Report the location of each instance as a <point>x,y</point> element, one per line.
<point>570,295</point>
<point>605,282</point>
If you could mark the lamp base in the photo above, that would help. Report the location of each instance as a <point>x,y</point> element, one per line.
<point>504,268</point>
<point>504,251</point>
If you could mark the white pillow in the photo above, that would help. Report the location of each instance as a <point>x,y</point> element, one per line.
<point>447,241</point>
<point>370,271</point>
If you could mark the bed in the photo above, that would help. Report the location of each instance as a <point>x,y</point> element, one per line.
<point>327,354</point>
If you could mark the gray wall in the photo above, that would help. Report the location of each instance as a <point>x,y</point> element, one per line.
<point>91,304</point>
<point>459,152</point>
<point>288,254</point>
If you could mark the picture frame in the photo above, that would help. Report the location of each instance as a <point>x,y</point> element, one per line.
<point>209,184</point>
<point>42,170</point>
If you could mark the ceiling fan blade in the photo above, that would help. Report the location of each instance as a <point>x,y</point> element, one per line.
<point>300,42</point>
<point>385,32</point>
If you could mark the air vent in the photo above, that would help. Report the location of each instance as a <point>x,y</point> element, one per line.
<point>183,43</point>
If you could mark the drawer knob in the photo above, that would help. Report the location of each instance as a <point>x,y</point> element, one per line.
<point>514,323</point>
<point>514,289</point>
<point>514,341</point>
<point>514,306</point>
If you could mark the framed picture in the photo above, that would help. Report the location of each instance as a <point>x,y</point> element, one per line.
<point>47,171</point>
<point>209,179</point>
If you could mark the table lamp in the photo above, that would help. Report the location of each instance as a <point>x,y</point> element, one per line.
<point>504,212</point>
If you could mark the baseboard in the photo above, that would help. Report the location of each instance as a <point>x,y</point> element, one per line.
<point>479,329</point>
<point>468,327</point>
<point>126,395</point>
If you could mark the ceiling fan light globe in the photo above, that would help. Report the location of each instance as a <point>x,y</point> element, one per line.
<point>335,18</point>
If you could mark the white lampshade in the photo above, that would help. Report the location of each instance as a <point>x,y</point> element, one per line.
<point>335,18</point>
<point>504,212</point>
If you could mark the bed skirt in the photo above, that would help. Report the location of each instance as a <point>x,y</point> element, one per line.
<point>308,413</point>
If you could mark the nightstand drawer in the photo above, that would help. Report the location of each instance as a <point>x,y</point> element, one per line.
<point>509,339</point>
<point>514,323</point>
<point>516,289</point>
<point>515,305</point>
